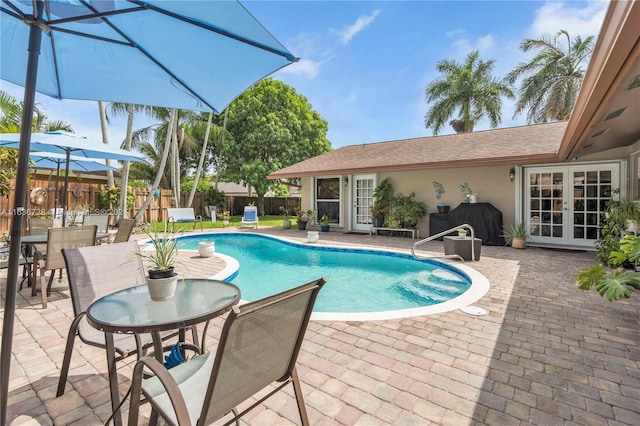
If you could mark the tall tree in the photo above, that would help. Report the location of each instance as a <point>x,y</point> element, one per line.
<point>272,127</point>
<point>102,110</point>
<point>552,79</point>
<point>468,88</point>
<point>151,139</point>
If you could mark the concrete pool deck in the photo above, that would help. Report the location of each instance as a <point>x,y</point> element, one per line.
<point>546,353</point>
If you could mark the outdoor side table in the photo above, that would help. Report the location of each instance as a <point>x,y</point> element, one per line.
<point>132,311</point>
<point>461,246</point>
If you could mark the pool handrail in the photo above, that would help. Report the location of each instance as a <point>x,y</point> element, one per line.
<point>442,234</point>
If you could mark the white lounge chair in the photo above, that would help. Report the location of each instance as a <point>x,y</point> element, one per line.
<point>250,216</point>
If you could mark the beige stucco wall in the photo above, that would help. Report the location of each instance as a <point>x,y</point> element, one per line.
<point>490,183</point>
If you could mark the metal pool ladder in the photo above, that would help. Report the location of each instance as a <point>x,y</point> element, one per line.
<point>442,234</point>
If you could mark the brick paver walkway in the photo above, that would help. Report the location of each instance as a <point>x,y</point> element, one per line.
<point>547,353</point>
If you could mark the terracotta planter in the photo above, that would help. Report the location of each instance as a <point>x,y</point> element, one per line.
<point>518,243</point>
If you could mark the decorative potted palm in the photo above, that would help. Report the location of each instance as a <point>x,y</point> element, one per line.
<point>515,234</point>
<point>162,279</point>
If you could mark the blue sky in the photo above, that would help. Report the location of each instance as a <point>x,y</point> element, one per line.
<point>365,64</point>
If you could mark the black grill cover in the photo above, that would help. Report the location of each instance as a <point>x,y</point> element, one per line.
<point>485,219</point>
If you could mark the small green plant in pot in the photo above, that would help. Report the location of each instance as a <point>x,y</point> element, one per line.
<point>324,223</point>
<point>516,234</point>
<point>162,279</point>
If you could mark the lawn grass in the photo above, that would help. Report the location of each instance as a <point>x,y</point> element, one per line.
<point>234,222</point>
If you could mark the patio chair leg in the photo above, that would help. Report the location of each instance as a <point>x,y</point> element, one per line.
<point>50,283</point>
<point>66,360</point>
<point>297,390</point>
<point>43,290</point>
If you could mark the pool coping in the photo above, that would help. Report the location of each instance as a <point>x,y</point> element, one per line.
<point>479,283</point>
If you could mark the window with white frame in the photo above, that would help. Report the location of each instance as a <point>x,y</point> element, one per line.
<point>328,198</point>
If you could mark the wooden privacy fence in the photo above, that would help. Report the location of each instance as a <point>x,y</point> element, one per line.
<point>271,204</point>
<point>41,198</point>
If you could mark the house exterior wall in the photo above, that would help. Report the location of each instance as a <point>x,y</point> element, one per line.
<point>491,184</point>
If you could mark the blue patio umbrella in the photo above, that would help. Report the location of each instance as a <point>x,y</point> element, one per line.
<point>194,55</point>
<point>62,145</point>
<point>51,160</point>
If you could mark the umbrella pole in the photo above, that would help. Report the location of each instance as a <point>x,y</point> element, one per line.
<point>64,189</point>
<point>55,200</point>
<point>19,196</point>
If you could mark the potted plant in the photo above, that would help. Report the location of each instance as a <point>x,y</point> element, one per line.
<point>382,200</point>
<point>515,234</point>
<point>304,216</point>
<point>286,223</point>
<point>162,279</point>
<point>379,214</point>
<point>461,232</point>
<point>226,217</point>
<point>443,208</point>
<point>324,223</point>
<point>408,209</point>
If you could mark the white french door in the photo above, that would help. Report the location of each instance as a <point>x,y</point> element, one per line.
<point>563,205</point>
<point>362,190</point>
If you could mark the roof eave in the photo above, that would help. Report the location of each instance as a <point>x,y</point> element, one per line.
<point>511,160</point>
<point>609,57</point>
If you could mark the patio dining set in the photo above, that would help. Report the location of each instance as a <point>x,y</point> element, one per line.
<point>113,310</point>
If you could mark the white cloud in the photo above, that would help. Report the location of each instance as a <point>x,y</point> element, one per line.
<point>348,32</point>
<point>312,56</point>
<point>485,43</point>
<point>463,46</point>
<point>555,16</point>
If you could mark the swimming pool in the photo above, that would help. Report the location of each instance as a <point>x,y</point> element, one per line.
<point>362,284</point>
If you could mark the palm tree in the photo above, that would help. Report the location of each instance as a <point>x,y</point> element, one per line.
<point>121,109</point>
<point>552,79</point>
<point>11,117</point>
<point>468,88</point>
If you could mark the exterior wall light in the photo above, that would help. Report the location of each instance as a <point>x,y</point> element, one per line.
<point>512,174</point>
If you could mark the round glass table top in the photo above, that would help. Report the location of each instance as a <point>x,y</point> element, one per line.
<point>132,311</point>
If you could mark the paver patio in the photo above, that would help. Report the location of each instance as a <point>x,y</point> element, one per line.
<point>547,353</point>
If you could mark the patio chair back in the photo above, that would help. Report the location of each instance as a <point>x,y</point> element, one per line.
<point>125,228</point>
<point>259,345</point>
<point>102,220</point>
<point>39,226</point>
<point>95,272</point>
<point>57,239</point>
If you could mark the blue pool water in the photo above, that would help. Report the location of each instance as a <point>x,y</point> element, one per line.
<point>358,280</point>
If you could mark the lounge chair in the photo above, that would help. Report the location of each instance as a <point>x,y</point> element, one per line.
<point>259,345</point>
<point>250,216</point>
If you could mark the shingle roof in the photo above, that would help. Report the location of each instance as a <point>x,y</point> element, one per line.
<point>514,145</point>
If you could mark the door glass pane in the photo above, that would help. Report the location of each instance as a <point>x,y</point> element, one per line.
<point>363,201</point>
<point>591,191</point>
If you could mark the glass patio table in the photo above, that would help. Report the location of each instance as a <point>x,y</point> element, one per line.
<point>132,311</point>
